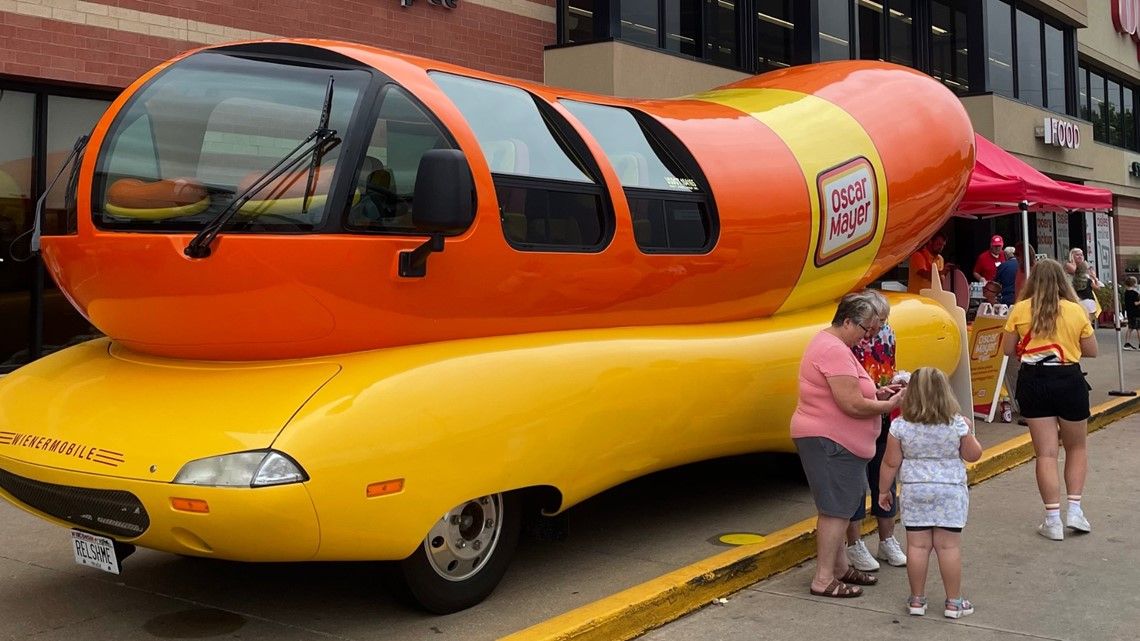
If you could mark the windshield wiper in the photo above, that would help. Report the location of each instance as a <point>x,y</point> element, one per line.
<point>72,180</point>
<point>317,143</point>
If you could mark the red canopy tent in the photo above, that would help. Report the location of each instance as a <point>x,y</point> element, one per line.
<point>1001,182</point>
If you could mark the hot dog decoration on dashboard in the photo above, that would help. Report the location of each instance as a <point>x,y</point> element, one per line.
<point>347,291</point>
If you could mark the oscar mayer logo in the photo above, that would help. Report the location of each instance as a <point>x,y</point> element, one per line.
<point>848,209</point>
<point>1126,19</point>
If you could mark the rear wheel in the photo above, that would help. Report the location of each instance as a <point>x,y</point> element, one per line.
<point>465,554</point>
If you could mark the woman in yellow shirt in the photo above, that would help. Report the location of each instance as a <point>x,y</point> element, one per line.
<point>1049,331</point>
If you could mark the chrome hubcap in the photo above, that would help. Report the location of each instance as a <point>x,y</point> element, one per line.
<point>464,539</point>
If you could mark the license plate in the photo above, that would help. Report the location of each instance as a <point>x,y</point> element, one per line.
<point>95,551</point>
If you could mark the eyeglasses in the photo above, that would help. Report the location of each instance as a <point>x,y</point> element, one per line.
<point>868,331</point>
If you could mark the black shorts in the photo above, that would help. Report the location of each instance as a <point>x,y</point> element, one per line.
<point>1134,322</point>
<point>923,528</point>
<point>1045,391</point>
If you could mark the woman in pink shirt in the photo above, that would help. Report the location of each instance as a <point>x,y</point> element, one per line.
<point>834,428</point>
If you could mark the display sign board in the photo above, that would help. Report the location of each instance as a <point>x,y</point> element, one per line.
<point>1103,248</point>
<point>1045,243</point>
<point>987,361</point>
<point>1062,235</point>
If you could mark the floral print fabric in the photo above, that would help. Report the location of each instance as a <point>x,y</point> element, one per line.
<point>932,474</point>
<point>877,355</point>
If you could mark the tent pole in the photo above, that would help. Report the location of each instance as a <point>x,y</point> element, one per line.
<point>1024,207</point>
<point>1116,309</point>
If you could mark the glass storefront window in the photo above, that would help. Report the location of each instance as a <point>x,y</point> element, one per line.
<point>639,21</point>
<point>720,34</point>
<point>775,27</point>
<point>901,31</point>
<point>1083,93</point>
<point>1128,120</point>
<point>17,124</point>
<point>1113,115</point>
<point>834,30</point>
<point>1054,68</point>
<point>1096,106</point>
<point>950,46</point>
<point>1029,59</point>
<point>999,47</point>
<point>872,42</point>
<point>682,26</point>
<point>579,21</point>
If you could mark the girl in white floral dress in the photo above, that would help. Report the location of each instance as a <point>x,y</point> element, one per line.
<point>927,446</point>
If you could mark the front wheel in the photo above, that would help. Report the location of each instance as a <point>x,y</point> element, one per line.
<point>465,554</point>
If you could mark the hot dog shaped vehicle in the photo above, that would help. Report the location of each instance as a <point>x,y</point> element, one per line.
<point>347,291</point>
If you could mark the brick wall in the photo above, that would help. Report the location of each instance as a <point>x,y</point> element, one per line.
<point>110,43</point>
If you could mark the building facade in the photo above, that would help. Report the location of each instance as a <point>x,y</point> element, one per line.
<point>1055,82</point>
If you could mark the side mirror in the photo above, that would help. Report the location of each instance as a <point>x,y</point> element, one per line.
<point>444,199</point>
<point>443,203</point>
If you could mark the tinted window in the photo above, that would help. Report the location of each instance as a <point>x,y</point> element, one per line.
<point>1055,68</point>
<point>901,31</point>
<point>539,217</point>
<point>774,28</point>
<point>682,26</point>
<point>1113,115</point>
<point>834,30</point>
<point>639,21</point>
<point>660,224</point>
<point>1029,59</point>
<point>580,21</point>
<point>386,180</point>
<point>1097,106</point>
<point>514,136</point>
<point>999,47</point>
<point>637,161</point>
<point>950,46</point>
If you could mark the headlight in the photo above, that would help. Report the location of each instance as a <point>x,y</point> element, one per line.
<point>243,469</point>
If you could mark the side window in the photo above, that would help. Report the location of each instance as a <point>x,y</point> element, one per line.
<point>386,180</point>
<point>671,212</point>
<point>549,199</point>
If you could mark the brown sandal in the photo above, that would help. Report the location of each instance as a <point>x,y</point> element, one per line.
<point>838,590</point>
<point>858,577</point>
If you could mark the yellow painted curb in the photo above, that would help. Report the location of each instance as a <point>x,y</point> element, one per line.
<point>634,611</point>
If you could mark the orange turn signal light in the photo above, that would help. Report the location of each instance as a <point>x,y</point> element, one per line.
<point>198,506</point>
<point>385,488</point>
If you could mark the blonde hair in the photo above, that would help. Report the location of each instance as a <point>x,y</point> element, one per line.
<point>1046,286</point>
<point>929,398</point>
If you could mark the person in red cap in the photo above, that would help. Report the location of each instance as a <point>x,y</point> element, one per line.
<point>985,268</point>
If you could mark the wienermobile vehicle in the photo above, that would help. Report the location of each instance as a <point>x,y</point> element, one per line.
<point>366,306</point>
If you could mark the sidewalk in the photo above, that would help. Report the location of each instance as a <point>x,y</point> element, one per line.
<point>1023,586</point>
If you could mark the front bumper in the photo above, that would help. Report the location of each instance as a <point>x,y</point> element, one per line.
<point>243,524</point>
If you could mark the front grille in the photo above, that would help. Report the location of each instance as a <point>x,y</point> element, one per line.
<point>111,512</point>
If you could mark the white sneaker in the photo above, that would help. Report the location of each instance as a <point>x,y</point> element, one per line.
<point>891,552</point>
<point>1054,531</point>
<point>1076,520</point>
<point>860,557</point>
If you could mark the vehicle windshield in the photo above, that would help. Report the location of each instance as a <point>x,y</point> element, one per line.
<point>208,127</point>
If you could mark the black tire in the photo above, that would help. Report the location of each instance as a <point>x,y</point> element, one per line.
<point>441,595</point>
